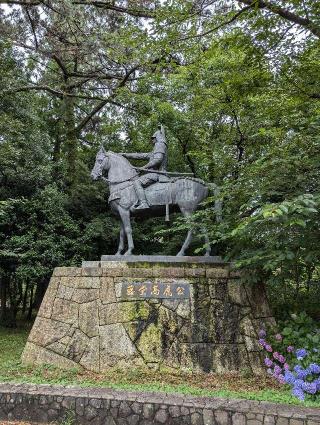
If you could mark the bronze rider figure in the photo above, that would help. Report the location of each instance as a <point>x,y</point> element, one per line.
<point>158,159</point>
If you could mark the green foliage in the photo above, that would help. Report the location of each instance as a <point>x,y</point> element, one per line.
<point>301,331</point>
<point>280,235</point>
<point>297,332</point>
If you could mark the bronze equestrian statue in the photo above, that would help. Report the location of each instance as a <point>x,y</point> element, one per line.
<point>149,194</point>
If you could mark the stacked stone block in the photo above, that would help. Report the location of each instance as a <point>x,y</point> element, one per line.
<point>84,320</point>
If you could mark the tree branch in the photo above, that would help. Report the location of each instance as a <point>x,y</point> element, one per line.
<point>286,14</point>
<point>100,105</point>
<point>61,66</point>
<point>32,28</point>
<point>21,2</point>
<point>41,88</point>
<point>234,17</point>
<point>140,13</point>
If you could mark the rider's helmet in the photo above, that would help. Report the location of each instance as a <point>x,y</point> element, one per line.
<point>159,135</point>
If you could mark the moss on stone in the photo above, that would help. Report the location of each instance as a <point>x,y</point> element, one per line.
<point>150,344</point>
<point>134,310</point>
<point>142,265</point>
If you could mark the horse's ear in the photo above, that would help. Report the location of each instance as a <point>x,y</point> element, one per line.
<point>102,149</point>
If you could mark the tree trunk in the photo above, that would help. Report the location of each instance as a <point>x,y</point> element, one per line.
<point>25,298</point>
<point>56,149</point>
<point>29,316</point>
<point>40,291</point>
<point>71,140</point>
<point>3,299</point>
<point>15,294</point>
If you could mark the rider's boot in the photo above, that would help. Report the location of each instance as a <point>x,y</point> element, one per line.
<point>143,204</point>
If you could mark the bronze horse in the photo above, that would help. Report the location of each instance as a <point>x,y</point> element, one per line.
<point>184,194</point>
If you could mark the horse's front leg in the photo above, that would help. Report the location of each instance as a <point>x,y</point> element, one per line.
<point>121,239</point>
<point>186,244</point>
<point>125,218</point>
<point>207,242</point>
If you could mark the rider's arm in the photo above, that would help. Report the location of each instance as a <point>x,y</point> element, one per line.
<point>155,162</point>
<point>135,155</point>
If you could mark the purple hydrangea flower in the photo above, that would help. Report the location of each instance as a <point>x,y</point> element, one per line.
<point>277,370</point>
<point>297,392</point>
<point>281,378</point>
<point>281,358</point>
<point>276,355</point>
<point>312,388</point>
<point>268,348</point>
<point>317,382</point>
<point>309,387</point>
<point>278,337</point>
<point>289,377</point>
<point>298,383</point>
<point>302,374</point>
<point>262,342</point>
<point>262,333</point>
<point>268,362</point>
<point>290,349</point>
<point>301,353</point>
<point>314,368</point>
<point>286,366</point>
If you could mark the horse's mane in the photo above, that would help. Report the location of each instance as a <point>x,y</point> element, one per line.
<point>117,174</point>
<point>119,157</point>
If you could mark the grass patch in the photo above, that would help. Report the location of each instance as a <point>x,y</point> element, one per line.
<point>232,385</point>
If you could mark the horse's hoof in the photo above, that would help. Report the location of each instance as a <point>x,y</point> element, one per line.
<point>118,253</point>
<point>180,254</point>
<point>207,254</point>
<point>128,253</point>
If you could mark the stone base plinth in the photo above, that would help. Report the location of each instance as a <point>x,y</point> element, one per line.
<point>115,315</point>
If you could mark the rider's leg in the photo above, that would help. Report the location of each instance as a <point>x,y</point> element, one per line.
<point>141,195</point>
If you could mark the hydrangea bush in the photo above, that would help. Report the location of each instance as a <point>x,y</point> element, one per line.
<point>292,366</point>
<point>300,330</point>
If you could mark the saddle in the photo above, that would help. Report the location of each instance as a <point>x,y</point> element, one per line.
<point>158,193</point>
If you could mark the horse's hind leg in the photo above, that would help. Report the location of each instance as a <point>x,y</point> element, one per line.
<point>126,223</point>
<point>186,243</point>
<point>207,242</point>
<point>121,239</point>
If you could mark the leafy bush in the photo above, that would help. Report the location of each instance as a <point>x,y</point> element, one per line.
<point>294,356</point>
<point>302,331</point>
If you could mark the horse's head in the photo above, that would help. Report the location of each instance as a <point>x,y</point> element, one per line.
<point>100,165</point>
<point>118,167</point>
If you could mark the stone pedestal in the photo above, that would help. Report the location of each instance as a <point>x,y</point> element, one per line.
<point>191,315</point>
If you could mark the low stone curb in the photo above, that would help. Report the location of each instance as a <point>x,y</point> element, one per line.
<point>102,406</point>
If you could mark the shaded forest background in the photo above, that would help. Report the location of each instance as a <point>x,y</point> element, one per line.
<point>236,85</point>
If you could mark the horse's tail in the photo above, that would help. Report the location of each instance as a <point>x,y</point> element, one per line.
<point>215,191</point>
